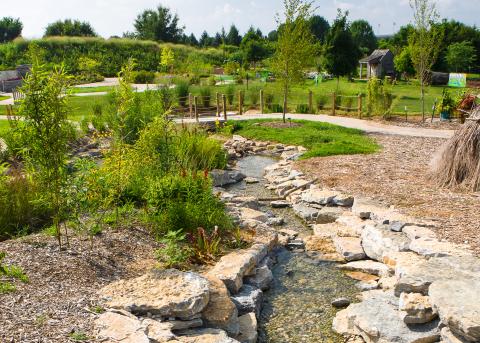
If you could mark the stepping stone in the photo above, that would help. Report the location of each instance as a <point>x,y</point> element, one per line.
<point>378,241</point>
<point>350,248</point>
<point>369,267</point>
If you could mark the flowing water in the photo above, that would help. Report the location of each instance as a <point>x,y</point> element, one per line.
<point>297,308</point>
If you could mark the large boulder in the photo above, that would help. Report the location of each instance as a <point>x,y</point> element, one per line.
<point>376,319</point>
<point>458,304</point>
<point>221,312</point>
<point>249,299</point>
<point>120,327</point>
<point>416,308</point>
<point>248,328</point>
<point>205,336</point>
<point>378,241</point>
<point>167,293</point>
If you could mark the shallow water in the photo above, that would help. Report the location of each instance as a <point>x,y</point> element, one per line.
<point>298,306</point>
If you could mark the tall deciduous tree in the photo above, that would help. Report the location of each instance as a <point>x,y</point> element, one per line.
<point>363,36</point>
<point>461,56</point>
<point>295,48</point>
<point>69,27</point>
<point>159,25</point>
<point>424,42</point>
<point>10,28</point>
<point>233,36</point>
<point>319,26</point>
<point>341,54</point>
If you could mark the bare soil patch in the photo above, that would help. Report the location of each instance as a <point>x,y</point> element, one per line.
<point>400,175</point>
<point>61,295</point>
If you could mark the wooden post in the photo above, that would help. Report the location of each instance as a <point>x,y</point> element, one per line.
<point>360,106</point>
<point>224,99</point>
<point>262,103</point>
<point>218,104</point>
<point>310,102</point>
<point>334,105</point>
<point>190,104</point>
<point>195,104</point>
<point>240,103</point>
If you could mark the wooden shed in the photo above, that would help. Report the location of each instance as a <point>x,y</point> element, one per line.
<point>379,64</point>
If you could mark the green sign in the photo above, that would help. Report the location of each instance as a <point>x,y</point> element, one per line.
<point>458,80</point>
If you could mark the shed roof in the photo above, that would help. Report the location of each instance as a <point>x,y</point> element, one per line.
<point>376,56</point>
<point>8,75</point>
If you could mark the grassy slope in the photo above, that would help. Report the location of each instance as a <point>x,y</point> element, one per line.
<point>321,139</point>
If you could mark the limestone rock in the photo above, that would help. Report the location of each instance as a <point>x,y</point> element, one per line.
<point>415,232</point>
<point>233,267</point>
<point>329,215</point>
<point>449,337</point>
<point>221,178</point>
<point>379,240</point>
<point>279,204</point>
<point>168,293</point>
<point>354,223</point>
<point>116,327</point>
<point>248,328</point>
<point>250,214</point>
<point>458,305</point>
<point>350,248</point>
<point>431,247</point>
<point>249,202</point>
<point>158,331</point>
<point>319,196</point>
<point>249,299</point>
<point>251,180</point>
<point>369,267</point>
<point>340,303</point>
<point>177,325</point>
<point>335,229</point>
<point>368,209</point>
<point>262,279</point>
<point>320,244</point>
<point>205,336</point>
<point>221,312</point>
<point>376,319</point>
<point>417,308</point>
<point>305,212</point>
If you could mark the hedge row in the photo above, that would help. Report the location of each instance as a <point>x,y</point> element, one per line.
<point>111,53</point>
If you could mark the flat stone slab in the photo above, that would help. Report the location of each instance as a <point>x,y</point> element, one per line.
<point>116,327</point>
<point>369,209</point>
<point>377,319</point>
<point>334,229</point>
<point>350,248</point>
<point>415,232</point>
<point>458,305</point>
<point>168,293</point>
<point>369,267</point>
<point>432,247</point>
<point>205,336</point>
<point>262,279</point>
<point>378,241</point>
<point>251,214</point>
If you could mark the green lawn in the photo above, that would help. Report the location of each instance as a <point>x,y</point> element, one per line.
<point>76,90</point>
<point>3,97</point>
<point>321,139</point>
<point>4,127</point>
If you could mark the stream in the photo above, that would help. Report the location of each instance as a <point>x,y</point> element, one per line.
<point>297,308</point>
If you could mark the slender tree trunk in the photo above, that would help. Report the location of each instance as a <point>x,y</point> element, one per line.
<point>422,86</point>
<point>285,95</point>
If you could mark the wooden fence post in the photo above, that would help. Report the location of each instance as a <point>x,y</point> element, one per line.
<point>190,105</point>
<point>334,104</point>
<point>262,103</point>
<point>240,103</point>
<point>224,99</point>
<point>195,104</point>
<point>218,104</point>
<point>360,105</point>
<point>310,102</point>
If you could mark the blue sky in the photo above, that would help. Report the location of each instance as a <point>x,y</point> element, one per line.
<point>113,17</point>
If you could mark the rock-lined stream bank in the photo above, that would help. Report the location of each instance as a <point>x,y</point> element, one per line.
<point>415,288</point>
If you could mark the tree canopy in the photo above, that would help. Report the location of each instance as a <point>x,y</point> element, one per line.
<point>233,36</point>
<point>10,28</point>
<point>363,36</point>
<point>319,27</point>
<point>461,56</point>
<point>341,54</point>
<point>69,27</point>
<point>159,25</point>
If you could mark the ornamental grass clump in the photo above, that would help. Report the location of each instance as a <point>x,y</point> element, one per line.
<point>458,162</point>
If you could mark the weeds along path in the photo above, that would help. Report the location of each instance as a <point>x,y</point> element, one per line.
<point>364,125</point>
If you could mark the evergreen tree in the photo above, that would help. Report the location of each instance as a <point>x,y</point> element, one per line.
<point>10,29</point>
<point>319,27</point>
<point>205,40</point>
<point>159,25</point>
<point>233,36</point>
<point>363,36</point>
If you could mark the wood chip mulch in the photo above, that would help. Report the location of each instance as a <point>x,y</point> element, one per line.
<point>61,295</point>
<point>400,175</point>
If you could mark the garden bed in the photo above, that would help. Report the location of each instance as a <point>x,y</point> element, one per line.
<point>400,175</point>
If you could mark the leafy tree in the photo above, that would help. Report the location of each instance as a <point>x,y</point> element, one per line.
<point>159,25</point>
<point>217,40</point>
<point>341,54</point>
<point>461,56</point>
<point>205,40</point>
<point>319,26</point>
<point>167,59</point>
<point>254,46</point>
<point>68,27</point>
<point>424,42</point>
<point>295,48</point>
<point>233,36</point>
<point>403,62</point>
<point>190,40</point>
<point>363,36</point>
<point>272,36</point>
<point>10,29</point>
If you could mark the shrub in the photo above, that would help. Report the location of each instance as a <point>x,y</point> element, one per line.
<point>212,81</point>
<point>230,94</point>
<point>194,80</point>
<point>302,108</point>
<point>143,77</point>
<point>276,108</point>
<point>183,90</point>
<point>321,102</point>
<point>205,94</point>
<point>254,96</point>
<point>269,98</point>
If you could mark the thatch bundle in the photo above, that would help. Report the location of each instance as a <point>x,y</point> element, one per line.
<point>458,164</point>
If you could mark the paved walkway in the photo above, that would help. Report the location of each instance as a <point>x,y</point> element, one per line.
<point>364,125</point>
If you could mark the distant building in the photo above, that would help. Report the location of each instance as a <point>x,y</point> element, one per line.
<point>12,79</point>
<point>379,64</point>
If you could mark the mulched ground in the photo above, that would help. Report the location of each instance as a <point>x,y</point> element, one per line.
<point>400,175</point>
<point>63,284</point>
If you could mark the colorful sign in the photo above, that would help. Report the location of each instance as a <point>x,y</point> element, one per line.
<point>457,80</point>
